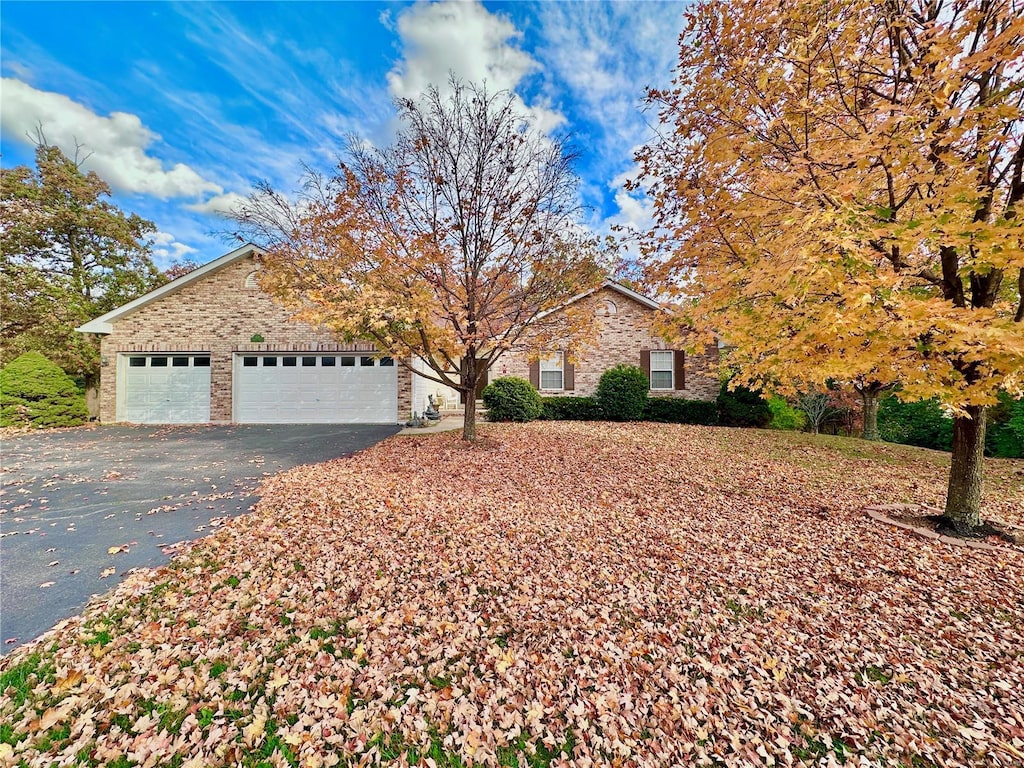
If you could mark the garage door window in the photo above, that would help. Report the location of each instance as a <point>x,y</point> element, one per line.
<point>288,362</point>
<point>348,362</point>
<point>366,362</point>
<point>249,362</point>
<point>308,362</point>
<point>269,362</point>
<point>387,361</point>
<point>176,361</point>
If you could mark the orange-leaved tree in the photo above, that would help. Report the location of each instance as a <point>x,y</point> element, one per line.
<point>837,191</point>
<point>449,247</point>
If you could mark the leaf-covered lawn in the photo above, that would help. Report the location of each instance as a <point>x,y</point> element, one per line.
<point>566,594</point>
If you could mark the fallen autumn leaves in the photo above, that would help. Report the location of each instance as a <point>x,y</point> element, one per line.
<point>572,594</point>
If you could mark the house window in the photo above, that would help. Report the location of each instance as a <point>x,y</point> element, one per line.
<point>551,371</point>
<point>661,369</point>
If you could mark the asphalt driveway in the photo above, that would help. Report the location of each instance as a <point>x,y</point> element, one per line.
<point>81,508</point>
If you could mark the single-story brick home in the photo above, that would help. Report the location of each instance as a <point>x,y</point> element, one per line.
<point>211,346</point>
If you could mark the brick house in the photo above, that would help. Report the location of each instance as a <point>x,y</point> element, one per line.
<point>624,336</point>
<point>211,346</point>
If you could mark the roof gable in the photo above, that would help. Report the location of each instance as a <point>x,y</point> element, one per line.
<point>629,293</point>
<point>102,324</point>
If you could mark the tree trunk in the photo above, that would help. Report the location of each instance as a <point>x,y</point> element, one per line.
<point>469,375</point>
<point>870,401</point>
<point>966,471</point>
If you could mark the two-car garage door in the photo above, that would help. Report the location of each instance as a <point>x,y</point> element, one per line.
<point>315,389</point>
<point>293,388</point>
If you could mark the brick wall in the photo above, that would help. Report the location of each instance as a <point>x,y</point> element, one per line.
<point>219,315</point>
<point>620,338</point>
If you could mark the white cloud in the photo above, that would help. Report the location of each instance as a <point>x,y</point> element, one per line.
<point>166,248</point>
<point>219,204</point>
<point>464,39</point>
<point>602,56</point>
<point>117,144</point>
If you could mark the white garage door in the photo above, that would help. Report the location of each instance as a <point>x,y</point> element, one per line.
<point>315,389</point>
<point>165,389</point>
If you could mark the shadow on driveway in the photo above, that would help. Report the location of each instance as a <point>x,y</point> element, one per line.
<point>68,498</point>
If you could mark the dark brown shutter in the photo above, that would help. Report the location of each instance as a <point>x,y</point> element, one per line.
<point>535,374</point>
<point>680,361</point>
<point>645,364</point>
<point>568,375</point>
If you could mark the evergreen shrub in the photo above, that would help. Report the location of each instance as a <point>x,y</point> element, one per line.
<point>675,410</point>
<point>742,407</point>
<point>570,409</point>
<point>622,393</point>
<point>511,398</point>
<point>35,392</point>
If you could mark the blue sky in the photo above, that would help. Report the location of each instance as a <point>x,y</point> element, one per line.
<point>184,105</point>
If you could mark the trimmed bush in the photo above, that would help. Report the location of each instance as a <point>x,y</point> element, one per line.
<point>742,407</point>
<point>921,423</point>
<point>36,393</point>
<point>785,416</point>
<point>675,410</point>
<point>570,409</point>
<point>512,399</point>
<point>622,393</point>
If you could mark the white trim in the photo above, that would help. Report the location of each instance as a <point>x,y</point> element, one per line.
<point>671,369</point>
<point>103,323</point>
<point>556,361</point>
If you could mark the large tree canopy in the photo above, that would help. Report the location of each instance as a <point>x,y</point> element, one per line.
<point>450,246</point>
<point>837,191</point>
<point>67,254</point>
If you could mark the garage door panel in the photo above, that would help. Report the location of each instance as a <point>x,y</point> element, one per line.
<point>166,389</point>
<point>317,389</point>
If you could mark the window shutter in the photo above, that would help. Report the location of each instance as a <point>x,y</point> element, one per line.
<point>680,361</point>
<point>645,364</point>
<point>535,374</point>
<point>568,374</point>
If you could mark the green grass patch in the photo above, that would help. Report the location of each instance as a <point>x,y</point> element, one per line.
<point>19,680</point>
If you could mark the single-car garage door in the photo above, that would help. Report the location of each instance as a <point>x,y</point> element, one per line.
<point>315,389</point>
<point>165,389</point>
